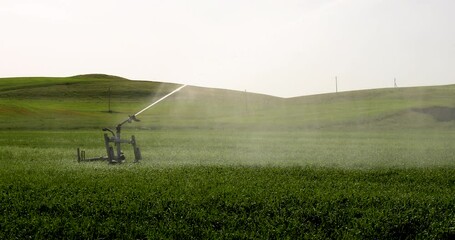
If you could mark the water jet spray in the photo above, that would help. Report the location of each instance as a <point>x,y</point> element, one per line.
<point>118,156</point>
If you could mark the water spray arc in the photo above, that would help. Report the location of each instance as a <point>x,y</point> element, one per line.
<point>159,100</point>
<point>117,156</point>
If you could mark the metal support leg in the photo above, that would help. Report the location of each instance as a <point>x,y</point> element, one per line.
<point>110,156</point>
<point>137,152</point>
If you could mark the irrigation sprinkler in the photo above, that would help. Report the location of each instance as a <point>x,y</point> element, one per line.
<point>118,156</point>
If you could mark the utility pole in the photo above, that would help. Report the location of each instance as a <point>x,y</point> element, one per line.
<point>246,102</point>
<point>109,100</point>
<point>336,84</point>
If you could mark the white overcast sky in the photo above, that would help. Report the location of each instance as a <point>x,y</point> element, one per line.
<point>278,47</point>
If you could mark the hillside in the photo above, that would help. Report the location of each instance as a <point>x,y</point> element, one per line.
<point>81,102</point>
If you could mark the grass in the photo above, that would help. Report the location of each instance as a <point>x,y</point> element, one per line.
<point>222,164</point>
<point>136,201</point>
<point>354,150</point>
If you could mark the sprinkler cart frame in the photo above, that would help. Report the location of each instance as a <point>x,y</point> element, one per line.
<point>118,156</point>
<point>114,157</point>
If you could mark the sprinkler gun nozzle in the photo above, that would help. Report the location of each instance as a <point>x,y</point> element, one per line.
<point>133,118</point>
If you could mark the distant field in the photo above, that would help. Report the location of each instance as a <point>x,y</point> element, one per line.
<point>357,150</point>
<point>226,164</point>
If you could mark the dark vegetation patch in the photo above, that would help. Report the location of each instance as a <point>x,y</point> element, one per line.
<point>99,76</point>
<point>442,114</point>
<point>19,87</point>
<point>111,111</point>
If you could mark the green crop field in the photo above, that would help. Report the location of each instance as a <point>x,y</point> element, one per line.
<point>376,164</point>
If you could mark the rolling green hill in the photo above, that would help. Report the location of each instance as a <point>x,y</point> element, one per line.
<point>81,102</point>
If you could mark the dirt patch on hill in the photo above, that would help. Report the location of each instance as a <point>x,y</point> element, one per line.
<point>442,114</point>
<point>14,110</point>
